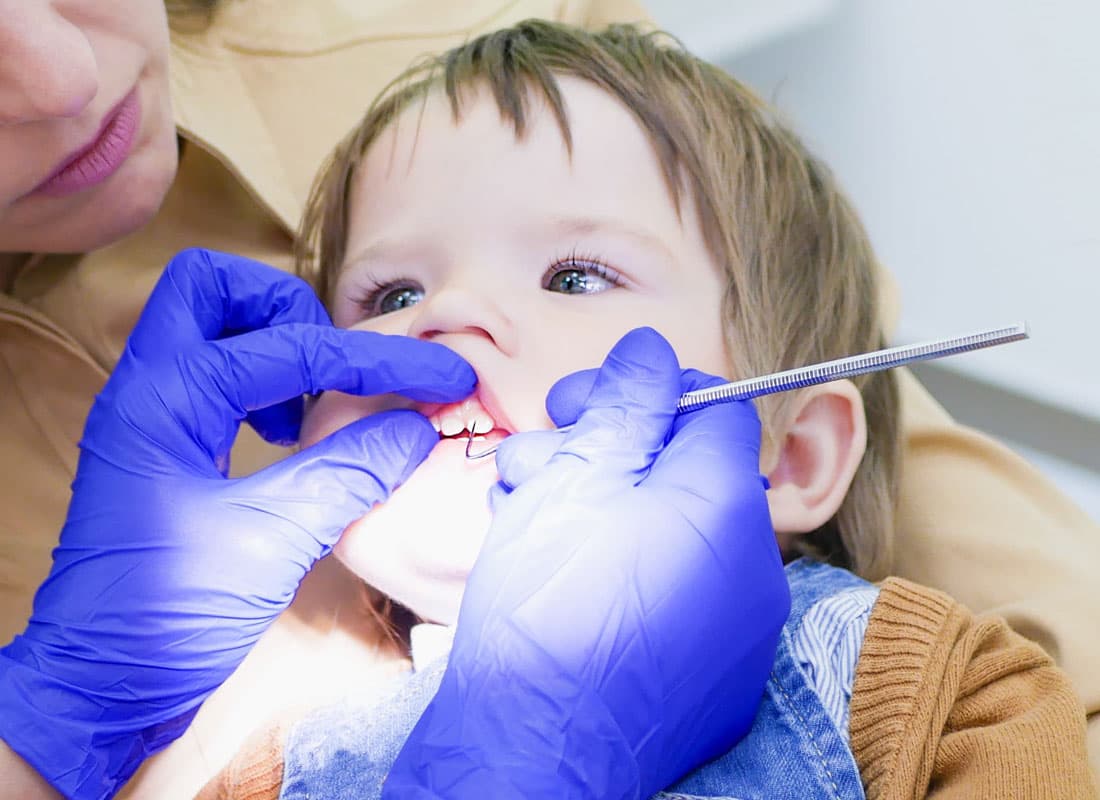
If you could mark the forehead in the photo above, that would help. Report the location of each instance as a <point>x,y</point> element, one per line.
<point>466,170</point>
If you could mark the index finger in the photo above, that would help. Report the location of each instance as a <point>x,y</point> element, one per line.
<point>628,413</point>
<point>265,367</point>
<point>206,295</point>
<point>199,397</point>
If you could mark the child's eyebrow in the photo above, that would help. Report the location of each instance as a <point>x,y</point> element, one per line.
<point>585,226</point>
<point>559,227</point>
<point>390,250</point>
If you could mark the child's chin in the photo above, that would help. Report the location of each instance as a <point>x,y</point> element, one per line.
<point>419,546</point>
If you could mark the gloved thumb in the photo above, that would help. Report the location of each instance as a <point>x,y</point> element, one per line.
<point>566,398</point>
<point>630,410</point>
<point>330,484</point>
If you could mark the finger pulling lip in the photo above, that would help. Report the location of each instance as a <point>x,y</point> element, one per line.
<point>100,158</point>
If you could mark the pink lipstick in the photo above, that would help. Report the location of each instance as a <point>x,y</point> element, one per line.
<point>99,159</point>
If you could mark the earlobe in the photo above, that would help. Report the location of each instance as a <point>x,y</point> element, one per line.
<point>817,458</point>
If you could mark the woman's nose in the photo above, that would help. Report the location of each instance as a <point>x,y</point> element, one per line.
<point>457,311</point>
<point>47,66</point>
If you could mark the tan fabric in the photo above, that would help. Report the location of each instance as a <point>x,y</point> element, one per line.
<point>949,705</point>
<point>980,523</point>
<point>261,96</point>
<point>945,705</point>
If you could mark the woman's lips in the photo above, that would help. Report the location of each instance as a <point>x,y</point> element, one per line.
<point>100,158</point>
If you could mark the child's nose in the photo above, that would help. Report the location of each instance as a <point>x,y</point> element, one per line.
<point>457,310</point>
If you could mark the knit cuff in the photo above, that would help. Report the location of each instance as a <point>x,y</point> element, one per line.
<point>896,676</point>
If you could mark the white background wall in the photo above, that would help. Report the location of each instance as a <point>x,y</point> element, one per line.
<point>968,134</point>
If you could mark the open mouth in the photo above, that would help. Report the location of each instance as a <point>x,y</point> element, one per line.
<point>455,421</point>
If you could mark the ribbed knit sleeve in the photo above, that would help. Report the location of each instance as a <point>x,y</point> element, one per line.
<point>948,705</point>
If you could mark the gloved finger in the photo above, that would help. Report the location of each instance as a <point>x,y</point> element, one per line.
<point>199,398</point>
<point>523,454</point>
<point>566,398</point>
<point>278,424</point>
<point>740,424</point>
<point>712,458</point>
<point>268,366</point>
<point>630,410</point>
<point>328,485</point>
<point>272,365</point>
<point>205,295</point>
<point>693,379</point>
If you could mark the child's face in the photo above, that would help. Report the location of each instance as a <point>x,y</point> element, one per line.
<point>527,261</point>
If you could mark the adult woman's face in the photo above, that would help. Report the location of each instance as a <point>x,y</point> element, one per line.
<point>87,138</point>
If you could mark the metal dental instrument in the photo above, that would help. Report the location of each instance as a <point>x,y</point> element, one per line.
<point>828,371</point>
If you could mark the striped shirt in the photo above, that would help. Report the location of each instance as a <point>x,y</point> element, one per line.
<point>827,646</point>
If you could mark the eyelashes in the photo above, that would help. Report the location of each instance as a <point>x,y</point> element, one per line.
<point>581,265</point>
<point>375,297</point>
<point>574,273</point>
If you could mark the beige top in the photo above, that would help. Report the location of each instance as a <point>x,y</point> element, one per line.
<point>260,97</point>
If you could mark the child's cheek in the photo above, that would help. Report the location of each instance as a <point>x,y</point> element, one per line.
<point>420,545</point>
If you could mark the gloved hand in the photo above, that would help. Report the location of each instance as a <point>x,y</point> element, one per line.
<point>167,572</point>
<point>622,618</point>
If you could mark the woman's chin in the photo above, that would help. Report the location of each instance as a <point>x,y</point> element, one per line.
<point>419,545</point>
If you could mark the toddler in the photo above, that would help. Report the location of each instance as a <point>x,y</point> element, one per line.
<point>528,198</point>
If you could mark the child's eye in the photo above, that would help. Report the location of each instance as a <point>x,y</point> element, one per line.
<point>576,275</point>
<point>389,297</point>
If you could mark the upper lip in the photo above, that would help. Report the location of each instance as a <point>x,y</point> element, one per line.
<point>489,402</point>
<point>88,146</point>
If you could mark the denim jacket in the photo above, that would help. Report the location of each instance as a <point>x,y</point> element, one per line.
<point>794,748</point>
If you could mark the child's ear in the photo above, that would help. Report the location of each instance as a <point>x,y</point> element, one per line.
<point>816,457</point>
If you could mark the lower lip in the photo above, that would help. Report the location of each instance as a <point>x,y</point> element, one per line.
<point>103,158</point>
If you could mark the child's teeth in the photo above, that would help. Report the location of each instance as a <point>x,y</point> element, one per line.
<point>469,416</point>
<point>483,422</point>
<point>451,426</point>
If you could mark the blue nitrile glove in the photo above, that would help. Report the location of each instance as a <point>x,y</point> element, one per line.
<point>621,620</point>
<point>167,572</point>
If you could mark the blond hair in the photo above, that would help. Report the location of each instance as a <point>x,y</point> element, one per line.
<point>801,277</point>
